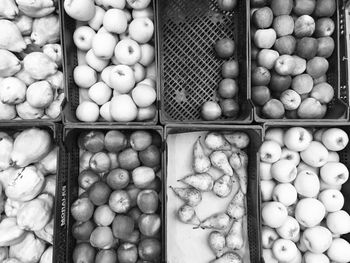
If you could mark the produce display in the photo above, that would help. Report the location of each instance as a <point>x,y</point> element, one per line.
<point>116,71</point>
<point>31,79</point>
<point>292,44</point>
<point>218,179</point>
<point>302,208</point>
<point>28,161</point>
<point>117,215</point>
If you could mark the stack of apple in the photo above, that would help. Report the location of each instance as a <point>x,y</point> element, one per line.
<point>292,42</point>
<point>116,72</point>
<point>31,79</point>
<point>302,210</point>
<point>117,212</point>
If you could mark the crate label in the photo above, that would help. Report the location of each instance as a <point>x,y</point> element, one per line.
<point>63,205</point>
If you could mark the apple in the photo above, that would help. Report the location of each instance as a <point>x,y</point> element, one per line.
<point>300,65</point>
<point>315,154</point>
<point>307,184</point>
<point>307,47</point>
<point>321,79</point>
<point>228,88</point>
<point>279,83</point>
<point>115,21</point>
<point>82,10</point>
<point>260,76</point>
<point>304,7</point>
<point>84,76</point>
<point>304,26</point>
<point>302,84</point>
<point>301,246</point>
<point>260,95</point>
<point>141,30</point>
<point>227,5</point>
<point>325,47</point>
<point>87,111</point>
<point>334,173</point>
<point>338,222</point>
<point>96,22</point>
<point>303,166</point>
<point>230,69</point>
<point>317,66</point>
<point>210,111</point>
<point>309,212</point>
<point>127,52</point>
<point>267,187</point>
<point>317,239</point>
<point>83,36</point>
<point>285,45</point>
<point>265,171</point>
<point>122,79</point>
<point>322,92</point>
<point>103,45</point>
<point>147,54</point>
<point>311,108</point>
<point>325,186</point>
<point>270,152</point>
<point>266,58</point>
<point>230,108</point>
<point>254,52</point>
<point>297,139</point>
<point>325,8</point>
<point>273,109</point>
<point>284,65</point>
<point>290,229</point>
<point>339,250</point>
<point>268,236</point>
<point>284,171</point>
<point>225,48</point>
<point>268,256</point>
<point>285,193</point>
<point>274,214</point>
<point>324,27</point>
<point>146,12</point>
<point>138,4</point>
<point>290,155</point>
<point>265,38</point>
<point>139,72</point>
<point>281,7</point>
<point>290,99</point>
<point>335,139</point>
<point>283,25</point>
<point>144,95</point>
<point>284,250</point>
<point>122,108</point>
<point>275,134</point>
<point>95,62</point>
<point>263,17</point>
<point>333,157</point>
<point>100,93</point>
<point>310,257</point>
<point>147,113</point>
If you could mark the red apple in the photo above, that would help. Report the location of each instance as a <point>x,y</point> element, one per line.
<point>307,47</point>
<point>283,25</point>
<point>230,69</point>
<point>317,67</point>
<point>324,27</point>
<point>304,26</point>
<point>262,17</point>
<point>273,109</point>
<point>230,108</point>
<point>325,8</point>
<point>260,95</point>
<point>225,48</point>
<point>304,7</point>
<point>227,5</point>
<point>285,65</point>
<point>311,108</point>
<point>261,76</point>
<point>280,83</point>
<point>281,7</point>
<point>228,88</point>
<point>325,47</point>
<point>285,45</point>
<point>210,111</point>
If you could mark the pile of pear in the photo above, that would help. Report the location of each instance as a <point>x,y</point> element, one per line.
<point>224,152</point>
<point>31,79</point>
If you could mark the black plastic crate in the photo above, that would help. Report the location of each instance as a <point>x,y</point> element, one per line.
<point>189,70</point>
<point>253,194</point>
<point>337,75</point>
<point>71,61</point>
<point>68,187</point>
<point>344,157</point>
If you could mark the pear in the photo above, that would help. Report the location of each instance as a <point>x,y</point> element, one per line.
<point>229,257</point>
<point>216,141</point>
<point>202,182</point>
<point>25,77</point>
<point>217,243</point>
<point>39,66</point>
<point>82,10</point>
<point>24,24</point>
<point>40,35</point>
<point>27,112</point>
<point>234,238</point>
<point>237,139</point>
<point>12,90</point>
<point>54,51</point>
<point>191,196</point>
<point>7,112</point>
<point>223,186</point>
<point>36,8</point>
<point>236,208</point>
<point>219,160</point>
<point>239,162</point>
<point>8,9</point>
<point>201,162</point>
<point>218,221</point>
<point>9,63</point>
<point>6,145</point>
<point>188,215</point>
<point>10,37</point>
